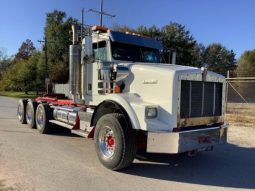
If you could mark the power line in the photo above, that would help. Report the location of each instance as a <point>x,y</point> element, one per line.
<point>101,13</point>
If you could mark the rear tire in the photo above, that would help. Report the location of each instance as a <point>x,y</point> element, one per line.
<point>30,113</point>
<point>43,114</point>
<point>21,111</point>
<point>115,141</point>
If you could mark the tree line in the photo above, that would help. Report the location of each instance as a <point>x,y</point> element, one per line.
<point>27,71</point>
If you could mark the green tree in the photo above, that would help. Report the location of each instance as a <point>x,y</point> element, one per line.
<point>197,53</point>
<point>41,72</point>
<point>57,32</point>
<point>246,64</point>
<point>28,73</point>
<point>26,50</point>
<point>21,71</point>
<point>152,32</point>
<point>176,37</point>
<point>122,28</point>
<point>22,75</point>
<point>5,62</point>
<point>6,82</point>
<point>219,59</point>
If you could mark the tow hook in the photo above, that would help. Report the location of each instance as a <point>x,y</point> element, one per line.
<point>192,153</point>
<point>209,148</point>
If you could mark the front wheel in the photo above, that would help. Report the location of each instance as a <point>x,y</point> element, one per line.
<point>115,141</point>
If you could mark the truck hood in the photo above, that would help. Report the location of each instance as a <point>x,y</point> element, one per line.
<point>125,68</point>
<point>160,85</point>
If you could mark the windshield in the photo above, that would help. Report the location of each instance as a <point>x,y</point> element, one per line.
<point>134,53</point>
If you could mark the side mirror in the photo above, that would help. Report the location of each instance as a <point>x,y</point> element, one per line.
<point>88,49</point>
<point>168,55</point>
<point>87,53</point>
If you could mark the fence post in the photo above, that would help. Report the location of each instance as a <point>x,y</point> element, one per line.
<point>226,99</point>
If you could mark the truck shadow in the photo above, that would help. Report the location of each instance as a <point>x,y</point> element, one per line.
<point>227,166</point>
<point>61,131</point>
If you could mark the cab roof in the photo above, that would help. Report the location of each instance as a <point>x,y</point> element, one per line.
<point>134,39</point>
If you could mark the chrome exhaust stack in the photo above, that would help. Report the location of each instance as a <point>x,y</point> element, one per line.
<point>75,34</point>
<point>75,67</point>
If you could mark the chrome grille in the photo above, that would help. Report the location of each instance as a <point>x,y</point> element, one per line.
<point>200,99</point>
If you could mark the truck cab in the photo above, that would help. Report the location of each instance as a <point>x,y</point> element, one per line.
<point>124,98</point>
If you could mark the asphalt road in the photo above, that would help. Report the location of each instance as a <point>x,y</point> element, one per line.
<point>62,161</point>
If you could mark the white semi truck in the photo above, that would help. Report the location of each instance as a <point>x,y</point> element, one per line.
<point>127,101</point>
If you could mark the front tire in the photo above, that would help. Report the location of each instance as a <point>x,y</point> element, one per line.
<point>21,111</point>
<point>115,141</point>
<point>43,114</point>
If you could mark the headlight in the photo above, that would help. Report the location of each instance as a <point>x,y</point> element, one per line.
<point>151,112</point>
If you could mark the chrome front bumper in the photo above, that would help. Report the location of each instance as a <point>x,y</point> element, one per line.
<point>178,142</point>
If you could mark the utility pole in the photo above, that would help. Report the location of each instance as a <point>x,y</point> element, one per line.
<point>47,80</point>
<point>82,23</point>
<point>45,41</point>
<point>101,12</point>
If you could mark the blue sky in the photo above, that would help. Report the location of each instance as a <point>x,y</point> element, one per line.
<point>229,22</point>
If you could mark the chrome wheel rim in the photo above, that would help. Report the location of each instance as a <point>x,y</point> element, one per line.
<point>20,112</point>
<point>107,143</point>
<point>39,118</point>
<point>29,114</point>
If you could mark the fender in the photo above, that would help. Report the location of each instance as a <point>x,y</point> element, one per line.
<point>127,102</point>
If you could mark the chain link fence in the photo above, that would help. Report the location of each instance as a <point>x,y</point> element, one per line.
<point>240,91</point>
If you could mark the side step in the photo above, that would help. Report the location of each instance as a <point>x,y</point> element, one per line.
<point>62,124</point>
<point>80,132</point>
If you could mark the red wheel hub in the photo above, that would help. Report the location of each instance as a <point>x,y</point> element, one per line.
<point>110,141</point>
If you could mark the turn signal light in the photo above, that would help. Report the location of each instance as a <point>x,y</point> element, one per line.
<point>117,89</point>
<point>99,28</point>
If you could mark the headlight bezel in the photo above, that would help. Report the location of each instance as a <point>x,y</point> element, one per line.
<point>151,112</point>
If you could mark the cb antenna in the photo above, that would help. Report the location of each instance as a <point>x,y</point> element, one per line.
<point>101,12</point>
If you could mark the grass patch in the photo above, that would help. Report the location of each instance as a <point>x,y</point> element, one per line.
<point>19,94</point>
<point>241,114</point>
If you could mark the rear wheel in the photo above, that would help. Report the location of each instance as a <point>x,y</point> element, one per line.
<point>21,111</point>
<point>43,114</point>
<point>30,113</point>
<point>115,141</point>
